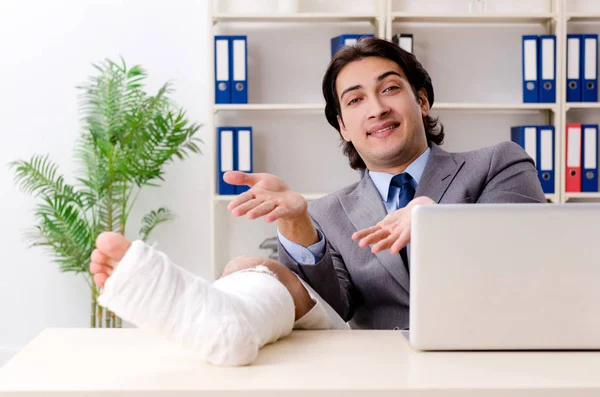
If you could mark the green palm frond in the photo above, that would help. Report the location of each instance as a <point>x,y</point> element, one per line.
<point>108,101</point>
<point>38,177</point>
<point>62,217</point>
<point>153,219</point>
<point>70,258</point>
<point>64,228</point>
<point>167,136</point>
<point>112,207</point>
<point>112,94</point>
<point>126,140</point>
<point>93,175</point>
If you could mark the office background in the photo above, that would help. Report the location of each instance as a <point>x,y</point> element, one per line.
<point>48,48</point>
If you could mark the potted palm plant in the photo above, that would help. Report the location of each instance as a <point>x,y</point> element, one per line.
<point>127,138</point>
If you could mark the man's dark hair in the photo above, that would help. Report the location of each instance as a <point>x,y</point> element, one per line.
<point>374,47</point>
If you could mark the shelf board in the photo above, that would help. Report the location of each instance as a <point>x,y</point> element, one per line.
<point>307,196</point>
<point>493,106</point>
<point>591,195</point>
<point>583,17</point>
<point>472,17</point>
<point>316,196</point>
<point>551,197</point>
<point>298,17</point>
<point>436,106</point>
<point>582,105</point>
<point>268,106</point>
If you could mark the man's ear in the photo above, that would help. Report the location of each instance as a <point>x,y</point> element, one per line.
<point>423,102</point>
<point>343,130</point>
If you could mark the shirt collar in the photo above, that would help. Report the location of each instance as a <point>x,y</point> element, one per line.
<point>415,169</point>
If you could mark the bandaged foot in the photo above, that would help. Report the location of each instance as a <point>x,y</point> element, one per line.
<point>226,322</point>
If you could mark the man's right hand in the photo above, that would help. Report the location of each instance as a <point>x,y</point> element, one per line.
<point>268,196</point>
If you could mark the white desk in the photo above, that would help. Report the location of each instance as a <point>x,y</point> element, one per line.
<point>129,362</point>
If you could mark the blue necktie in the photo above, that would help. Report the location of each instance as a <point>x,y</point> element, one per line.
<point>407,192</point>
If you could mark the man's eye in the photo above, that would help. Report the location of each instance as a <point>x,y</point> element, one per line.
<point>390,88</point>
<point>352,101</point>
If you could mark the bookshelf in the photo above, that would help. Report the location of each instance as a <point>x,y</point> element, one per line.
<point>472,17</point>
<point>257,25</point>
<point>444,106</point>
<point>476,111</point>
<point>583,17</point>
<point>579,17</point>
<point>269,107</point>
<point>581,105</point>
<point>304,17</point>
<point>580,196</point>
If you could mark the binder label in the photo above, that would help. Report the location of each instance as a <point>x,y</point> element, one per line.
<point>244,150</point>
<point>590,59</point>
<point>222,60</point>
<point>239,60</point>
<point>530,142</point>
<point>573,58</point>
<point>590,147</point>
<point>530,60</point>
<point>574,147</point>
<point>406,44</point>
<point>226,151</point>
<point>546,150</point>
<point>548,59</point>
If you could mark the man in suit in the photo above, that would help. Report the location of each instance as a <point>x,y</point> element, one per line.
<point>378,98</point>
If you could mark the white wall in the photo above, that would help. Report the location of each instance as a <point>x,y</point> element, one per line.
<point>48,48</point>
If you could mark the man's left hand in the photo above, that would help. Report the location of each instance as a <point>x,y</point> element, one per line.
<point>393,232</point>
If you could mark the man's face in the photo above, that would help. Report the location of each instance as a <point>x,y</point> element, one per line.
<point>381,115</point>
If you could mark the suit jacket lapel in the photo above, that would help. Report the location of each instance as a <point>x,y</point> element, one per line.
<point>365,208</point>
<point>440,170</point>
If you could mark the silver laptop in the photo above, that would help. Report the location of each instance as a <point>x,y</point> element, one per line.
<point>505,277</point>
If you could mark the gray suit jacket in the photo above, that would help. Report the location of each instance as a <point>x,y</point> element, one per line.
<point>372,290</point>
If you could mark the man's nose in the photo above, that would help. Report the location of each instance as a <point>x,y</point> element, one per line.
<point>378,109</point>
